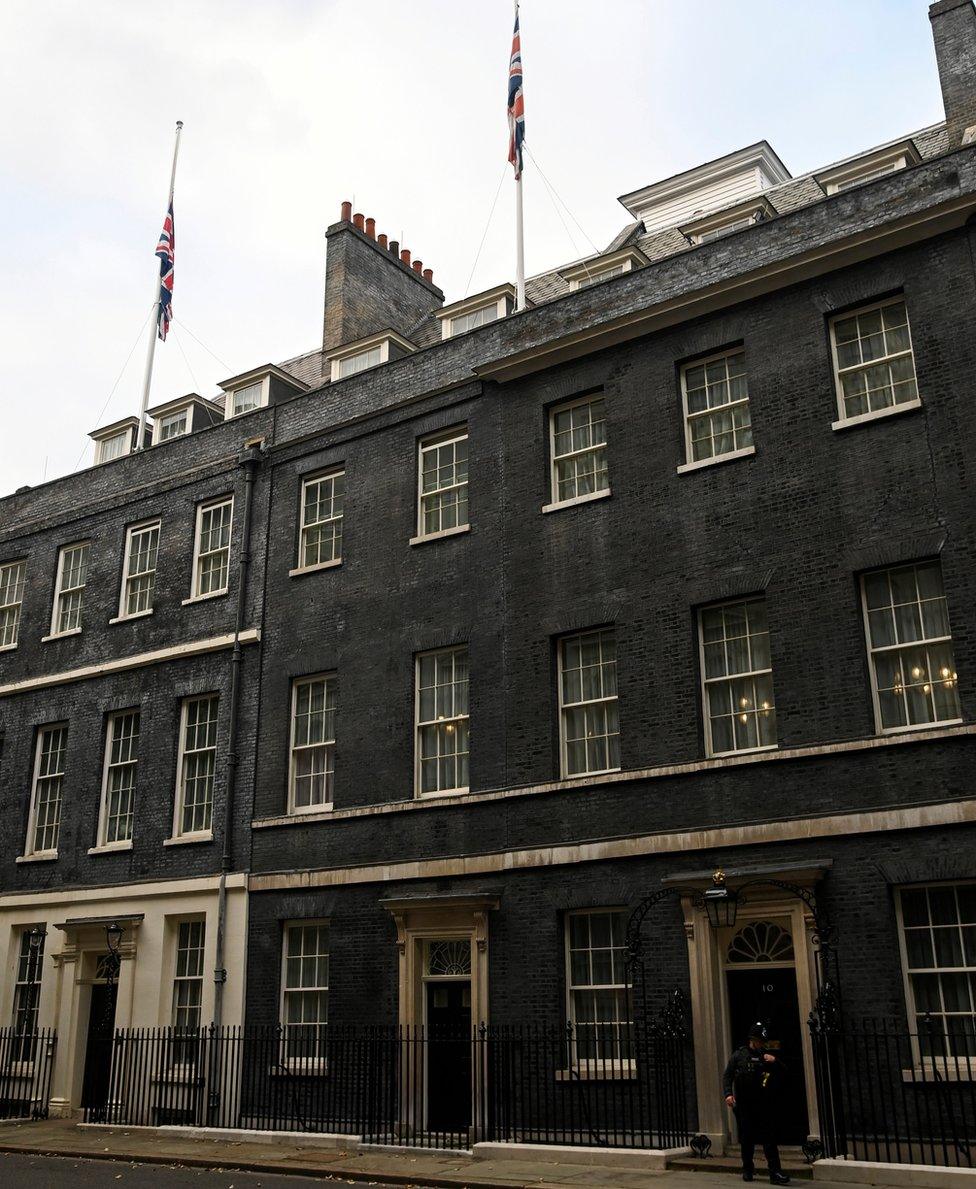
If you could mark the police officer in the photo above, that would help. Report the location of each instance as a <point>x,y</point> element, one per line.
<point>751,1084</point>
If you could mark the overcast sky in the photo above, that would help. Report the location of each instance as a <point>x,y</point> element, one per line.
<point>290,106</point>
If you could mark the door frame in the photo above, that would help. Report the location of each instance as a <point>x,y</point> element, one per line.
<point>711,1026</point>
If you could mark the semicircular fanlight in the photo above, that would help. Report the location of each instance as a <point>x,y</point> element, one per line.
<point>761,941</point>
<point>449,957</point>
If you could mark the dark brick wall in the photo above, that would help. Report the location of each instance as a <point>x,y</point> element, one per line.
<point>368,289</point>
<point>954,32</point>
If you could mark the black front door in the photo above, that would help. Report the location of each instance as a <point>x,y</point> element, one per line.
<point>448,1056</point>
<point>770,995</point>
<point>98,1052</point>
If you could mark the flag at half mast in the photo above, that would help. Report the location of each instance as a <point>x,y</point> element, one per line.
<point>166,251</point>
<point>516,102</point>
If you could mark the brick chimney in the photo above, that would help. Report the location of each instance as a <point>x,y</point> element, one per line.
<point>954,31</point>
<point>370,285</point>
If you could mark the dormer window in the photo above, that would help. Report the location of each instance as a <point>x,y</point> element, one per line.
<point>461,316</point>
<point>366,353</point>
<point>869,168</point>
<point>243,400</point>
<point>602,268</point>
<point>172,425</point>
<point>113,447</point>
<point>725,222</point>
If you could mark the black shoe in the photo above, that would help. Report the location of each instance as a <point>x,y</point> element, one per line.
<point>778,1178</point>
<point>748,1174</point>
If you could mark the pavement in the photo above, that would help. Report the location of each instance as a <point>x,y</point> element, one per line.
<point>110,1156</point>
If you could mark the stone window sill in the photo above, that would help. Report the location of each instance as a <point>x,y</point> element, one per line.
<point>423,538</point>
<point>920,726</point>
<point>7,647</point>
<point>745,452</point>
<point>40,856</point>
<point>134,615</point>
<point>877,415</point>
<point>61,635</point>
<point>110,848</point>
<point>189,839</point>
<point>298,571</point>
<point>558,505</point>
<point>213,594</point>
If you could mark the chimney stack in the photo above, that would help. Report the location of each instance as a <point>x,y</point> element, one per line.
<point>954,33</point>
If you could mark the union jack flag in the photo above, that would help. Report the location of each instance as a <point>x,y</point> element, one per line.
<point>166,251</point>
<point>516,102</point>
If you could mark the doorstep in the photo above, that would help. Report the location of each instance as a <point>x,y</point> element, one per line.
<point>908,1176</point>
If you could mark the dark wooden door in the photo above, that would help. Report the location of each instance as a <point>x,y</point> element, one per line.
<point>98,1051</point>
<point>770,995</point>
<point>448,1056</point>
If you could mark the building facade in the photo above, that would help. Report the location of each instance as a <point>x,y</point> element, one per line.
<point>385,689</point>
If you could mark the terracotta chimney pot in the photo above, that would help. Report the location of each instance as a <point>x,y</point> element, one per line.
<point>429,275</point>
<point>346,212</point>
<point>371,228</point>
<point>357,221</point>
<point>418,266</point>
<point>382,239</point>
<point>405,255</point>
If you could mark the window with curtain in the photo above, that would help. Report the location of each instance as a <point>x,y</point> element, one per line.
<point>442,721</point>
<point>874,365</point>
<point>313,716</point>
<point>599,999</point>
<point>716,400</point>
<point>578,434</point>
<point>588,711</point>
<point>443,479</point>
<point>737,677</point>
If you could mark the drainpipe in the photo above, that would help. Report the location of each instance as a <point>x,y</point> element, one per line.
<point>249,461</point>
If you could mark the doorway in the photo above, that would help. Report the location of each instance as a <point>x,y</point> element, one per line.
<point>448,1056</point>
<point>761,982</point>
<point>98,1050</point>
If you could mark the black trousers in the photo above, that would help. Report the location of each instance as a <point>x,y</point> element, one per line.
<point>754,1129</point>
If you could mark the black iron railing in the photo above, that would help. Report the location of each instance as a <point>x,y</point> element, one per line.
<point>889,1094</point>
<point>614,1085</point>
<point>26,1062</point>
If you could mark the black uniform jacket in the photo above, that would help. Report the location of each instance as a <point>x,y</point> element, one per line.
<point>753,1080</point>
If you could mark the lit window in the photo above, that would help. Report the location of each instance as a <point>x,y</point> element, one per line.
<point>197,765</point>
<point>443,484</point>
<point>12,575</point>
<point>599,1001</point>
<point>114,447</point>
<point>172,425</point>
<point>323,498</point>
<point>313,716</point>
<point>305,989</point>
<point>49,766</point>
<point>119,782</point>
<point>139,571</point>
<point>716,400</point>
<point>442,721</point>
<point>579,449</point>
<point>589,725</point>
<point>874,367</point>
<point>939,951</point>
<point>27,996</point>
<point>737,678</point>
<point>188,976</point>
<point>211,564</point>
<point>911,647</point>
<point>72,576</point>
<point>474,319</point>
<point>243,400</point>
<point>359,363</point>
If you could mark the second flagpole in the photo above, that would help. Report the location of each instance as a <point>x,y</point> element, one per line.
<point>154,324</point>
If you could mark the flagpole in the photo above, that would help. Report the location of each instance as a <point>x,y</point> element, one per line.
<point>153,324</point>
<point>519,236</point>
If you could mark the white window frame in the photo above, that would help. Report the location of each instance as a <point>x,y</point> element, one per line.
<point>101,446</point>
<point>721,223</point>
<point>868,168</point>
<point>186,412</point>
<point>359,361</point>
<point>28,976</point>
<point>729,679</point>
<point>689,417</point>
<point>600,273</point>
<point>894,648</point>
<point>435,442</point>
<point>333,473</point>
<point>230,398</point>
<point>565,706</point>
<point>206,833</point>
<point>202,508</point>
<point>15,587</point>
<point>843,418</point>
<point>307,1063</point>
<point>473,319</point>
<point>951,1068</point>
<point>331,682</point>
<point>465,718</point>
<point>554,498</point>
<point>177,979</point>
<point>621,1067</point>
<point>108,766</point>
<point>60,593</point>
<point>30,848</point>
<point>127,575</point>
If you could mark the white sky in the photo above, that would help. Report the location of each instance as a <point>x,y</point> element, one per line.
<point>291,106</point>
